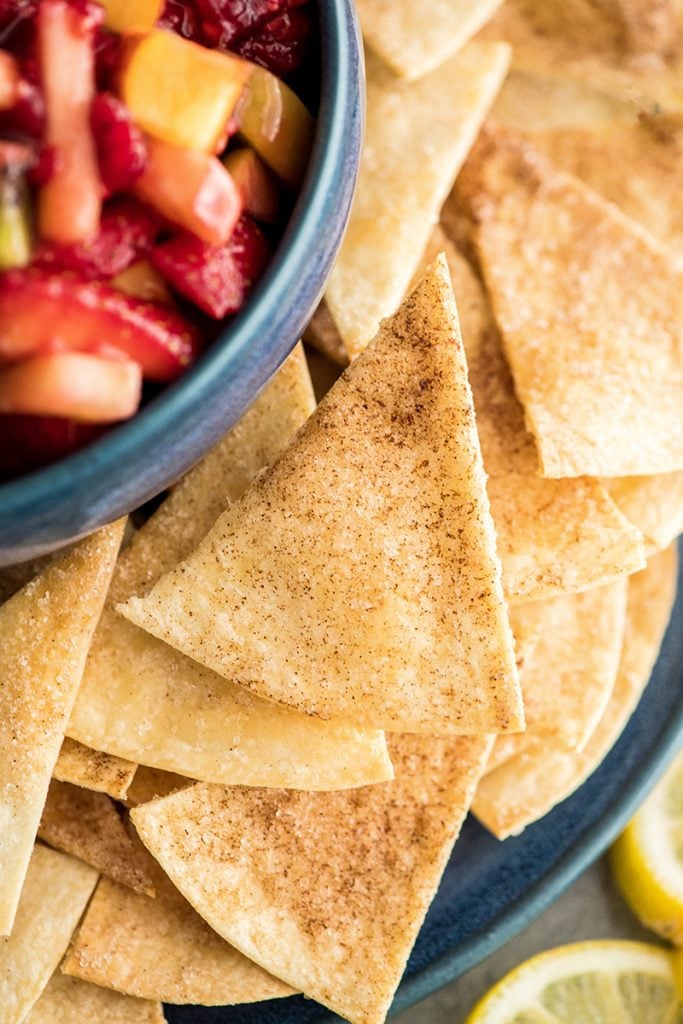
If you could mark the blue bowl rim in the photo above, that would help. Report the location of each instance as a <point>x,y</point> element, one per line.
<point>242,349</point>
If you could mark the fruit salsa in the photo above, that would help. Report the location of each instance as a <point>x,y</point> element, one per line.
<point>149,155</point>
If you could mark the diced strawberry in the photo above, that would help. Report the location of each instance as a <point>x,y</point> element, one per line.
<point>44,167</point>
<point>121,149</point>
<point>27,116</point>
<point>180,17</point>
<point>29,442</point>
<point>127,232</point>
<point>107,58</point>
<point>279,45</point>
<point>42,313</point>
<point>216,278</point>
<point>74,385</point>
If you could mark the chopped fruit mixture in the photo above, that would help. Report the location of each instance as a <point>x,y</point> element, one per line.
<point>149,155</point>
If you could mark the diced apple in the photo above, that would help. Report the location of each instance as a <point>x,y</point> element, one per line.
<point>69,203</point>
<point>275,122</point>
<point>255,183</point>
<point>181,92</point>
<point>10,80</point>
<point>131,15</point>
<point>142,281</point>
<point>191,189</point>
<point>81,387</point>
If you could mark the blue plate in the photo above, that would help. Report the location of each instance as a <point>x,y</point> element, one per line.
<point>491,890</point>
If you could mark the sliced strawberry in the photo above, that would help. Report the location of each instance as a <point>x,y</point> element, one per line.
<point>42,313</point>
<point>72,384</point>
<point>30,442</point>
<point>216,278</point>
<point>121,149</point>
<point>127,232</point>
<point>279,45</point>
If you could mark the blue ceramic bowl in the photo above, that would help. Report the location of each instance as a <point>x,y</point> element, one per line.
<point>139,459</point>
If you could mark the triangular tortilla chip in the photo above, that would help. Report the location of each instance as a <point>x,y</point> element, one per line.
<point>415,38</point>
<point>325,890</point>
<point>161,949</point>
<point>590,309</point>
<point>142,700</point>
<point>529,784</point>
<point>554,536</point>
<point>150,783</point>
<point>70,1001</point>
<point>358,577</point>
<point>548,103</point>
<point>45,632</point>
<point>417,137</point>
<point>93,769</point>
<point>569,677</point>
<point>88,826</point>
<point>55,893</point>
<point>653,503</point>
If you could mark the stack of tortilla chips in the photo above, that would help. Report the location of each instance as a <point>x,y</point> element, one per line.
<point>236,755</point>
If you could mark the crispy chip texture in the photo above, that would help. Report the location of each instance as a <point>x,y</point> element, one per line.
<point>142,700</point>
<point>93,769</point>
<point>45,632</point>
<point>653,503</point>
<point>332,584</point>
<point>70,1001</point>
<point>413,38</point>
<point>417,137</point>
<point>307,884</point>
<point>88,826</point>
<point>537,776</point>
<point>55,893</point>
<point>590,309</point>
<point>161,949</point>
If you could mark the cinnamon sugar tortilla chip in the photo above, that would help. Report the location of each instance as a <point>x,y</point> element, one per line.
<point>568,678</point>
<point>45,632</point>
<point>88,826</point>
<point>70,1001</point>
<point>325,890</point>
<point>554,536</point>
<point>142,700</point>
<point>330,585</point>
<point>653,503</point>
<point>589,307</point>
<point>417,137</point>
<point>161,949</point>
<point>550,102</point>
<point>415,38</point>
<point>93,769</point>
<point>55,893</point>
<point>528,785</point>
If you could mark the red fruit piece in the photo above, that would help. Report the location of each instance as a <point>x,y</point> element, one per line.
<point>27,116</point>
<point>279,45</point>
<point>107,58</point>
<point>127,232</point>
<point>216,278</point>
<point>121,149</point>
<point>180,17</point>
<point>42,313</point>
<point>29,442</point>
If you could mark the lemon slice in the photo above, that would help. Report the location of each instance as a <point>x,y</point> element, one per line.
<point>647,859</point>
<point>604,982</point>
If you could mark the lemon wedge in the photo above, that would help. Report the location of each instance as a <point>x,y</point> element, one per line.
<point>602,982</point>
<point>647,859</point>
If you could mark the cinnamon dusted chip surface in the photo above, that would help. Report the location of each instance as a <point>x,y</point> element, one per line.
<point>589,307</point>
<point>417,137</point>
<point>310,884</point>
<point>531,782</point>
<point>358,576</point>
<point>88,826</point>
<point>653,503</point>
<point>55,894</point>
<point>45,632</point>
<point>70,1001</point>
<point>142,700</point>
<point>93,769</point>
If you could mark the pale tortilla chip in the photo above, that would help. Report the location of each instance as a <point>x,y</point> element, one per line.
<point>56,891</point>
<point>161,949</point>
<point>142,700</point>
<point>70,1001</point>
<point>653,503</point>
<point>150,783</point>
<point>417,137</point>
<point>330,586</point>
<point>88,826</point>
<point>528,785</point>
<point>45,632</point>
<point>569,677</point>
<point>590,308</point>
<point>549,103</point>
<point>554,536</point>
<point>93,769</point>
<point>415,38</point>
<point>327,891</point>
